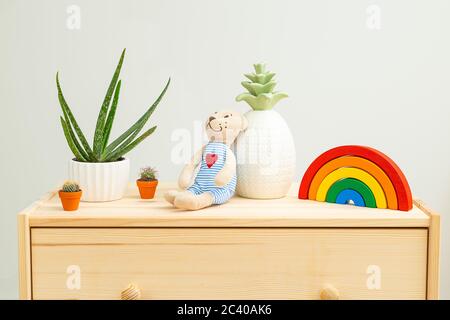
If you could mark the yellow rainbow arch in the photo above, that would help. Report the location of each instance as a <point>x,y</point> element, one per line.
<point>355,162</point>
<point>358,174</point>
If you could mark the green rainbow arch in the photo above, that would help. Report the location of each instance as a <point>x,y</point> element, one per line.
<point>353,184</point>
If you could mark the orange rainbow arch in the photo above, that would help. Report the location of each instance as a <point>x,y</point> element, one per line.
<point>357,174</point>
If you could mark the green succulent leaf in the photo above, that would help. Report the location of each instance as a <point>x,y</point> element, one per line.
<point>100,127</point>
<point>75,141</point>
<point>70,142</point>
<point>134,130</point>
<point>74,138</point>
<point>128,140</point>
<point>68,113</point>
<point>120,152</point>
<point>111,115</point>
<point>125,137</point>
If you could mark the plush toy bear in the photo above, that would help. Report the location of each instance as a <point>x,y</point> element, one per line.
<point>215,181</point>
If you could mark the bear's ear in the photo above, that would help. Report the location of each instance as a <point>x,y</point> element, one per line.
<point>244,123</point>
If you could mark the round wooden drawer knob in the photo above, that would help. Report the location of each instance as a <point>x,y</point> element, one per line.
<point>131,293</point>
<point>329,293</point>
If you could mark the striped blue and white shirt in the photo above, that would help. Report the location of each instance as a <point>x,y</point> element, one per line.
<point>213,160</point>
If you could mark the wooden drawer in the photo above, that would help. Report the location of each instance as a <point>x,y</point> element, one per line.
<point>229,263</point>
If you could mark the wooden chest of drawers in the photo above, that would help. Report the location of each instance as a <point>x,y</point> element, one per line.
<point>245,249</point>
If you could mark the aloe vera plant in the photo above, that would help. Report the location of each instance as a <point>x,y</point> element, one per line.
<point>260,95</point>
<point>102,150</point>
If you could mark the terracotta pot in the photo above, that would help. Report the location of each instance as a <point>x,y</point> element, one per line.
<point>70,200</point>
<point>147,188</point>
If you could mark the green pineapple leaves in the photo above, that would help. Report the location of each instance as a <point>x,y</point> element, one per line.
<point>264,101</point>
<point>101,151</point>
<point>256,88</point>
<point>260,95</point>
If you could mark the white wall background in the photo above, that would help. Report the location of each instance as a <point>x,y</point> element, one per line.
<point>387,88</point>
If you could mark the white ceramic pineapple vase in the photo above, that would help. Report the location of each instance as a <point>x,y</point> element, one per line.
<point>265,151</point>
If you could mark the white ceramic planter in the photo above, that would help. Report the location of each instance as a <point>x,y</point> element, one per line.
<point>265,156</point>
<point>105,181</point>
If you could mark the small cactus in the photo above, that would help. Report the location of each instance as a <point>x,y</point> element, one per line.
<point>70,186</point>
<point>148,174</point>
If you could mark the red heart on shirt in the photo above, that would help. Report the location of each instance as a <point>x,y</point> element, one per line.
<point>211,158</point>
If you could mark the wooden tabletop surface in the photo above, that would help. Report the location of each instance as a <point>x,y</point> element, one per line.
<point>131,211</point>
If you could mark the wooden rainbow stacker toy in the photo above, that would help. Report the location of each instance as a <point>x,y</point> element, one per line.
<point>359,175</point>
